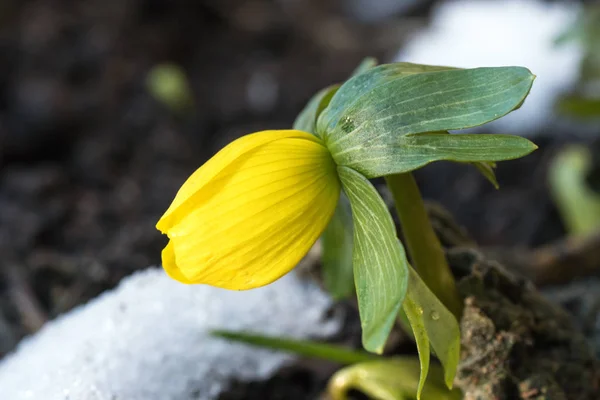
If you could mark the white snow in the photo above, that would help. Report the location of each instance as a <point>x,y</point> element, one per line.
<point>148,340</point>
<point>488,33</point>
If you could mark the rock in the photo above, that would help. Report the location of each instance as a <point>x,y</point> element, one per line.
<point>490,33</point>
<point>149,340</point>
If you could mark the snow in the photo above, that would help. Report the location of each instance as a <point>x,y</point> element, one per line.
<point>488,33</point>
<point>149,340</point>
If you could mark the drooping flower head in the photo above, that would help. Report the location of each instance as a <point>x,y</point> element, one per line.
<point>251,212</point>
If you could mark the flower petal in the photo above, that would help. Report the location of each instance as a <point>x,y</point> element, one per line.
<point>170,266</point>
<point>255,219</point>
<point>187,196</point>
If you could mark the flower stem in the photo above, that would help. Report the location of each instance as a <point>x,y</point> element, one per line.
<point>422,243</point>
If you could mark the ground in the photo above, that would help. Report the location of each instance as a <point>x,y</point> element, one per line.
<point>89,159</point>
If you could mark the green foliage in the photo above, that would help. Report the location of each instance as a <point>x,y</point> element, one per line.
<point>578,204</point>
<point>307,119</point>
<point>584,102</point>
<point>363,83</point>
<point>304,348</point>
<point>487,170</point>
<point>371,122</point>
<point>168,83</point>
<point>366,64</point>
<point>586,31</point>
<point>337,242</point>
<point>421,241</point>
<point>397,377</point>
<point>385,121</point>
<point>418,150</point>
<point>414,314</point>
<point>380,265</point>
<point>485,167</point>
<point>437,322</point>
<point>337,237</point>
<point>579,107</point>
<point>392,379</point>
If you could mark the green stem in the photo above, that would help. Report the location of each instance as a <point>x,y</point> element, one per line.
<point>423,245</point>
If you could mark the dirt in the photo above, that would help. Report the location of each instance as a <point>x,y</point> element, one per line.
<point>292,383</point>
<point>89,160</point>
<point>515,343</point>
<point>581,299</point>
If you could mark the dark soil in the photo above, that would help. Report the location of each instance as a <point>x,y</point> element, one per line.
<point>89,160</point>
<point>516,344</point>
<point>293,383</point>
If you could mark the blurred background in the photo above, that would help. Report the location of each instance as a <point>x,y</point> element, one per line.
<point>107,106</point>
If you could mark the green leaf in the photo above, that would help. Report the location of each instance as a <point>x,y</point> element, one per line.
<point>428,147</point>
<point>579,107</point>
<point>337,238</point>
<point>363,84</point>
<point>487,170</point>
<point>307,119</point>
<point>379,263</point>
<point>371,122</point>
<point>415,151</point>
<point>433,324</point>
<point>485,167</point>
<point>366,64</point>
<point>391,379</point>
<point>303,348</point>
<point>337,242</point>
<point>414,314</point>
<point>577,203</point>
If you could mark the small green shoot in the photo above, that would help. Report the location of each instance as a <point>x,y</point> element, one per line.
<point>578,204</point>
<point>169,84</point>
<point>329,352</point>
<point>395,378</point>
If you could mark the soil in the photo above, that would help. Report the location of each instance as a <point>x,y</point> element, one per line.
<point>515,343</point>
<point>89,160</point>
<point>292,383</point>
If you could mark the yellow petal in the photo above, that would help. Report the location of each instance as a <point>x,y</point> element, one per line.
<point>169,265</point>
<point>253,219</point>
<point>190,193</point>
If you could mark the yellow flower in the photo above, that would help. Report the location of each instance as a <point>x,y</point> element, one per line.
<point>249,215</point>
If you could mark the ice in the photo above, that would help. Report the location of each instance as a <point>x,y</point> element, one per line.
<point>148,340</point>
<point>477,33</point>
